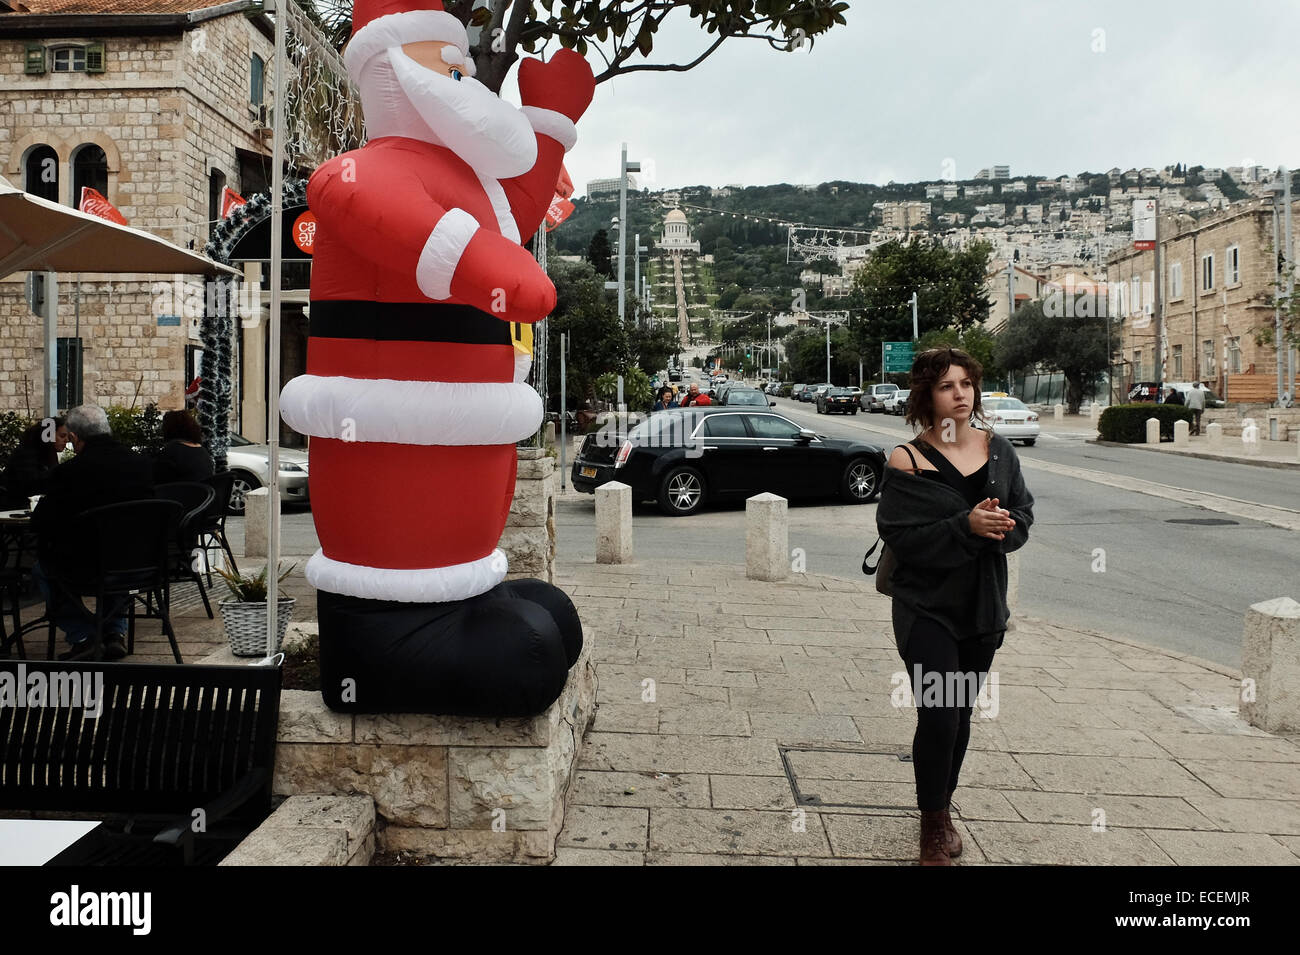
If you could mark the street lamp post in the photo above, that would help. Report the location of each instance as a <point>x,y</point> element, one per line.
<point>625,167</point>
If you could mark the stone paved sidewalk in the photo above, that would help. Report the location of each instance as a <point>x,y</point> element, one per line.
<point>1101,752</point>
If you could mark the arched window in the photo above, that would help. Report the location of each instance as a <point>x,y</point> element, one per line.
<point>41,173</point>
<point>89,168</point>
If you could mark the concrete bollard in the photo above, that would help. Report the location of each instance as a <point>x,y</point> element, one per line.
<point>1094,412</point>
<point>1182,433</point>
<point>767,537</point>
<point>1270,666</point>
<point>1214,434</point>
<point>1058,413</point>
<point>1153,431</point>
<point>257,505</point>
<point>548,434</point>
<point>1250,436</point>
<point>613,523</point>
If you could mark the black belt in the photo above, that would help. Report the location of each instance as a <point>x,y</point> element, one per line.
<point>407,322</point>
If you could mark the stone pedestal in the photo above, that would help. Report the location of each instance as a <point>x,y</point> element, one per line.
<point>529,537</point>
<point>312,831</point>
<point>1182,433</point>
<point>1153,431</point>
<point>1214,433</point>
<point>767,537</point>
<point>613,523</point>
<point>1094,412</point>
<point>1058,413</point>
<point>256,506</point>
<point>1249,436</point>
<point>483,790</point>
<point>1270,656</point>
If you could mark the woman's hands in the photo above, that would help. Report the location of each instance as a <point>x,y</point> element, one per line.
<point>986,519</point>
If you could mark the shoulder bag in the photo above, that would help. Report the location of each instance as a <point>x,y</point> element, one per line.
<point>884,568</point>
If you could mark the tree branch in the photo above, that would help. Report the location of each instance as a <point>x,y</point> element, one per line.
<point>616,70</point>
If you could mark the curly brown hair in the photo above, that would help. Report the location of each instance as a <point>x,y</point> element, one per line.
<point>928,369</point>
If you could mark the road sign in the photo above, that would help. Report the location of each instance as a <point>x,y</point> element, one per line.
<point>898,357</point>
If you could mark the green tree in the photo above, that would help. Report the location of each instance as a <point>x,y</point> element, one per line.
<point>597,340</point>
<point>599,254</point>
<point>1076,347</point>
<point>976,341</point>
<point>623,33</point>
<point>949,285</point>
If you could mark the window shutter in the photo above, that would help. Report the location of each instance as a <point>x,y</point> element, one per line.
<point>35,58</point>
<point>94,58</point>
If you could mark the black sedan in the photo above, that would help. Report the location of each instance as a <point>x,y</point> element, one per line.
<point>684,457</point>
<point>843,400</point>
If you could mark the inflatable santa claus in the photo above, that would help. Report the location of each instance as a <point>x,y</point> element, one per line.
<point>414,396</point>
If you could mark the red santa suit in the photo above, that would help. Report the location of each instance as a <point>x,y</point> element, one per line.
<point>414,396</point>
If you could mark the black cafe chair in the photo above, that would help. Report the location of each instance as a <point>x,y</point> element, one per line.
<point>212,528</point>
<point>130,543</point>
<point>195,500</point>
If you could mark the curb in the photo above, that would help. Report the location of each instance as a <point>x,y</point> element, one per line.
<point>1203,455</point>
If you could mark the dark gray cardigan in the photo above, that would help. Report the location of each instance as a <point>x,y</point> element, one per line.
<point>925,524</point>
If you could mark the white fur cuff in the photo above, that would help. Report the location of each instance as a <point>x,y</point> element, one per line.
<point>432,585</point>
<point>442,252</point>
<point>550,123</point>
<point>384,410</point>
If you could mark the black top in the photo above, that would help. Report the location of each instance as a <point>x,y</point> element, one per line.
<point>103,472</point>
<point>179,462</point>
<point>24,476</point>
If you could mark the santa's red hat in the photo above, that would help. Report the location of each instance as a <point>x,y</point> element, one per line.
<point>380,24</point>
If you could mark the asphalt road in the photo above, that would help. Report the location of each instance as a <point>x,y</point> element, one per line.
<point>1182,586</point>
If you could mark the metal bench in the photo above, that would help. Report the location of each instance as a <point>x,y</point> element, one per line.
<point>179,758</point>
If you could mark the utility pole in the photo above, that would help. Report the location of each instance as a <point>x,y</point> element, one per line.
<point>1011,287</point>
<point>1290,274</point>
<point>564,435</point>
<point>915,333</point>
<point>1277,311</point>
<point>828,350</point>
<point>636,267</point>
<point>1158,308</point>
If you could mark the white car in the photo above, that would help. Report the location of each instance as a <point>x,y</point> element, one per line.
<point>896,402</point>
<point>251,464</point>
<point>1012,419</point>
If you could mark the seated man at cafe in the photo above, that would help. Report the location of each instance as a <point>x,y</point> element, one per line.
<point>103,472</point>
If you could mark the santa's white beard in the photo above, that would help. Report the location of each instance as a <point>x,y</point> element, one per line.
<point>402,98</point>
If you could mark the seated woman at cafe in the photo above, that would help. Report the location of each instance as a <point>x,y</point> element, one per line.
<point>183,458</point>
<point>32,461</point>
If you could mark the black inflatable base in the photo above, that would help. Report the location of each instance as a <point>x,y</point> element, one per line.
<point>504,653</point>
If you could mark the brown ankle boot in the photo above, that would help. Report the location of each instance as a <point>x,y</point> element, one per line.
<point>954,840</point>
<point>934,839</point>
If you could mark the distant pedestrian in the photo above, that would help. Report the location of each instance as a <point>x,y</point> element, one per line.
<point>665,400</point>
<point>1196,404</point>
<point>1173,397</point>
<point>693,397</point>
<point>949,523</point>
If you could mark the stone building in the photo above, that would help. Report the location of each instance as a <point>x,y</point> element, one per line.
<point>1217,293</point>
<point>158,105</point>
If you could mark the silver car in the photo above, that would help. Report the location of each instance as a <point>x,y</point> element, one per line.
<point>251,464</point>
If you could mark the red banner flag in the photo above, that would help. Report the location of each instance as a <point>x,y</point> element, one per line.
<point>229,200</point>
<point>560,210</point>
<point>93,203</point>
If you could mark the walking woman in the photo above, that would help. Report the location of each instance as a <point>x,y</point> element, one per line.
<point>952,506</point>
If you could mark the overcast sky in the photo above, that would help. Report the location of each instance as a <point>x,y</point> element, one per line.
<point>1047,87</point>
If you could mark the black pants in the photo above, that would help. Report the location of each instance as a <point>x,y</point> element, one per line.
<point>942,730</point>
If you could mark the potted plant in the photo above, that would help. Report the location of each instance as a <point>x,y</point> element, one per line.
<point>244,612</point>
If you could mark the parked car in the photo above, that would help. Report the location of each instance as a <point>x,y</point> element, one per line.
<point>1012,418</point>
<point>752,397</point>
<point>797,392</point>
<point>1211,399</point>
<point>840,400</point>
<point>810,393</point>
<point>685,457</point>
<point>873,398</point>
<point>896,401</point>
<point>251,464</point>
